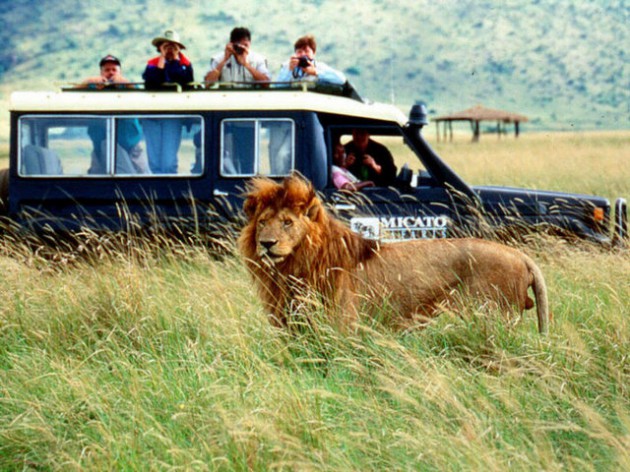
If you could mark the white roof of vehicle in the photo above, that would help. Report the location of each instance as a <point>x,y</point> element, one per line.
<point>195,101</point>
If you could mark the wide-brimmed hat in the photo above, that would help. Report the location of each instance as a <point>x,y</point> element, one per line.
<point>169,35</point>
<point>109,58</point>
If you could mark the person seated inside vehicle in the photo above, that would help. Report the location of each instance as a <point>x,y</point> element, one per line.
<point>369,160</point>
<point>342,178</point>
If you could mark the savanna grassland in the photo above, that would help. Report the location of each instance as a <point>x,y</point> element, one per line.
<point>150,354</point>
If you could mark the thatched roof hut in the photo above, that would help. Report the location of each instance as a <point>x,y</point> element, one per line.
<point>477,114</point>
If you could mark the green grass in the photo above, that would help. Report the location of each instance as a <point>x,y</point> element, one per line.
<point>134,355</point>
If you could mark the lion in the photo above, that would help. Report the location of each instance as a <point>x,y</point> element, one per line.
<point>291,244</point>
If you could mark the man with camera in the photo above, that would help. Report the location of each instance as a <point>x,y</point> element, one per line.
<point>303,66</point>
<point>238,63</point>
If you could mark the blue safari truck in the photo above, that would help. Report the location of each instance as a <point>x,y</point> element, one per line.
<point>114,159</point>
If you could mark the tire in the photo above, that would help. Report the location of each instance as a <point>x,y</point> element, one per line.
<point>4,191</point>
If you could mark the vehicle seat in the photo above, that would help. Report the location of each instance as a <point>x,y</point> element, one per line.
<point>37,160</point>
<point>123,161</point>
<point>403,180</point>
<point>99,163</point>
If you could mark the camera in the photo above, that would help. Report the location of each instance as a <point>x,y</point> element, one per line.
<point>238,49</point>
<point>304,62</point>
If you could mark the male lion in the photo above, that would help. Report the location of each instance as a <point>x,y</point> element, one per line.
<point>291,244</point>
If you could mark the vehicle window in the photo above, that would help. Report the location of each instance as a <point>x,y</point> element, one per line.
<point>106,146</point>
<point>257,147</point>
<point>59,146</point>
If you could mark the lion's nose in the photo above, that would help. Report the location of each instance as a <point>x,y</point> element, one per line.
<point>268,244</point>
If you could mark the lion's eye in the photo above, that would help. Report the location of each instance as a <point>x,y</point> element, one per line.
<point>262,223</point>
<point>287,223</point>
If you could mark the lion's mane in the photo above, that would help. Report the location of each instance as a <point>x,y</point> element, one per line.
<point>322,262</point>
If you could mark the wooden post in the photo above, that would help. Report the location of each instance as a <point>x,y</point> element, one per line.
<point>450,128</point>
<point>476,131</point>
<point>516,130</point>
<point>437,130</point>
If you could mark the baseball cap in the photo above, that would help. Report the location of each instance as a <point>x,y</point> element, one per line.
<point>109,58</point>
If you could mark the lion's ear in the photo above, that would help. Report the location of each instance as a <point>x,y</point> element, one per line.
<point>314,210</point>
<point>249,207</point>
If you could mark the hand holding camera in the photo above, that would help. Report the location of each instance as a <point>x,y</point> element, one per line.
<point>304,62</point>
<point>240,52</point>
<point>238,49</point>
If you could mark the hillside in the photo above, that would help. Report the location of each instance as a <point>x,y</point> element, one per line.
<point>564,65</point>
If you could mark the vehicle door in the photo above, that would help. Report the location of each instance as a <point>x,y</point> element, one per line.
<point>250,144</point>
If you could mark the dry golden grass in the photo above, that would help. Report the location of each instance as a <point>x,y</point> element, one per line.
<point>589,163</point>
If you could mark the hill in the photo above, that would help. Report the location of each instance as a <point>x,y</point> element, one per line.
<point>564,65</point>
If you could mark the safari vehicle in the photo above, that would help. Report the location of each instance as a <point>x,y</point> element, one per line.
<point>78,159</point>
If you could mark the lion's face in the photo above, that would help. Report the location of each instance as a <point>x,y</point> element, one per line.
<point>279,233</point>
<point>286,222</point>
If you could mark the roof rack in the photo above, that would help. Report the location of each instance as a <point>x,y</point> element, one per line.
<point>344,90</point>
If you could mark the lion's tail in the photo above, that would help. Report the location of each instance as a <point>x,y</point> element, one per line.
<point>540,292</point>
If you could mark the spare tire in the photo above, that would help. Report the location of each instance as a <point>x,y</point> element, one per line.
<point>4,191</point>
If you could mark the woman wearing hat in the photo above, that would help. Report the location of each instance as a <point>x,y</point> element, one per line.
<point>171,66</point>
<point>163,135</point>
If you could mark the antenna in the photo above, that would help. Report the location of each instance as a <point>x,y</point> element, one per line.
<point>392,89</point>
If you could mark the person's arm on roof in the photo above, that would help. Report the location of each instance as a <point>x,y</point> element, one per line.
<point>217,63</point>
<point>327,74</point>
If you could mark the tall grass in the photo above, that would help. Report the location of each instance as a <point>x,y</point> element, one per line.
<point>134,355</point>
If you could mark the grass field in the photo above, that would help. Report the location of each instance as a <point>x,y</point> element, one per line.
<point>140,356</point>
